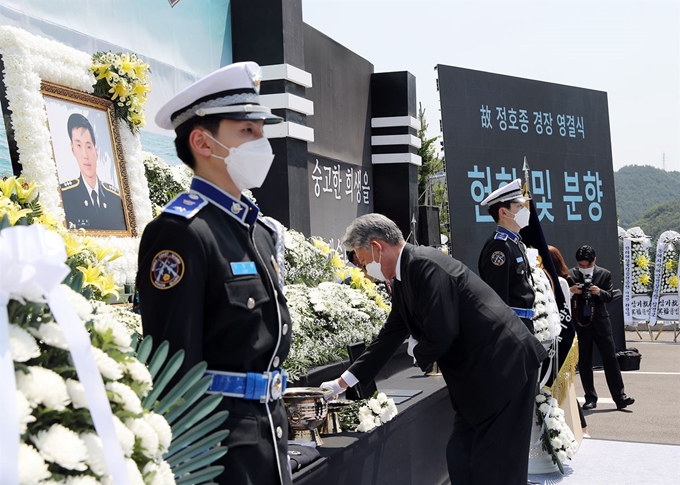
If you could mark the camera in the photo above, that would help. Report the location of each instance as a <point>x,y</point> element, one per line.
<point>587,283</point>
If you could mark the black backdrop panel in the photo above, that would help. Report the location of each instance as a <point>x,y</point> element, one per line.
<point>491,122</point>
<point>339,192</point>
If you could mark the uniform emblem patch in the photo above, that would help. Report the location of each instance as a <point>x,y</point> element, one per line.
<point>167,269</point>
<point>498,258</point>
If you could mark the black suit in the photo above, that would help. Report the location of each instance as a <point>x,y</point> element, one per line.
<point>81,212</point>
<point>487,356</point>
<point>599,331</point>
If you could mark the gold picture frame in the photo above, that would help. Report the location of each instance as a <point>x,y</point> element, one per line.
<point>88,153</point>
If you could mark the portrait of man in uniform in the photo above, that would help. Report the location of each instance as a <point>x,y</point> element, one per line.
<point>89,202</point>
<point>83,136</point>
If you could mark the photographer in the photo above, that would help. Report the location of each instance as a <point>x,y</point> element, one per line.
<point>591,288</point>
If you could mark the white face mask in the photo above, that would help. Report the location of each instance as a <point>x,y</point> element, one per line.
<point>247,164</point>
<point>522,217</point>
<point>587,271</point>
<point>373,268</point>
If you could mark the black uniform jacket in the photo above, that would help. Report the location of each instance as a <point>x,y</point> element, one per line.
<point>602,278</point>
<point>82,214</point>
<point>209,283</point>
<point>483,349</point>
<point>504,267</point>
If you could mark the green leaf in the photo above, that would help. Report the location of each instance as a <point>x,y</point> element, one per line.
<point>192,395</point>
<point>200,477</point>
<point>197,448</point>
<point>200,461</point>
<point>202,409</point>
<point>159,357</point>
<point>189,379</point>
<point>165,376</point>
<point>4,222</point>
<point>197,432</point>
<point>144,349</point>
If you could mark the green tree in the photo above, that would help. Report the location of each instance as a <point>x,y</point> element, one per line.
<point>660,218</point>
<point>431,176</point>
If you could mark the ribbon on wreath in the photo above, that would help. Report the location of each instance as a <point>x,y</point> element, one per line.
<point>32,268</point>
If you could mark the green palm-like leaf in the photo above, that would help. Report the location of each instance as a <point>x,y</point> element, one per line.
<point>189,379</point>
<point>4,222</point>
<point>200,477</point>
<point>197,448</point>
<point>195,443</point>
<point>197,432</point>
<point>200,411</point>
<point>189,398</point>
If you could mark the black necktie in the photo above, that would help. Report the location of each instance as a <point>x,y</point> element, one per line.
<point>95,202</point>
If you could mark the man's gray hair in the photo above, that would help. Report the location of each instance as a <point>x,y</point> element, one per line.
<point>368,227</point>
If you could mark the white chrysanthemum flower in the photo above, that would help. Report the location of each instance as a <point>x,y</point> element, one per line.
<point>540,398</point>
<point>52,335</point>
<point>166,473</point>
<point>32,467</point>
<point>147,435</point>
<point>151,469</point>
<point>133,472</point>
<point>61,446</point>
<point>140,374</point>
<point>556,443</point>
<point>543,408</point>
<point>43,386</point>
<point>126,438</point>
<point>79,303</point>
<point>24,412</point>
<point>562,456</point>
<point>122,394</point>
<point>22,345</point>
<point>77,393</point>
<point>375,406</point>
<point>107,366</point>
<point>82,480</point>
<point>366,425</point>
<point>551,423</point>
<point>105,323</point>
<point>388,412</point>
<point>162,429</point>
<point>95,454</point>
<point>381,397</point>
<point>365,413</point>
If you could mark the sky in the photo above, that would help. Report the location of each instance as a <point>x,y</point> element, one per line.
<point>629,49</point>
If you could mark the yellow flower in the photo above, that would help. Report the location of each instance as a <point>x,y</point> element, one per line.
<point>91,274</point>
<point>673,281</point>
<point>321,245</point>
<point>25,190</point>
<point>13,211</point>
<point>644,279</point>
<point>119,90</point>
<point>140,89</point>
<point>48,220</point>
<point>337,261</point>
<point>127,65</point>
<point>106,253</point>
<point>7,186</point>
<point>141,68</point>
<point>74,244</point>
<point>669,265</point>
<point>642,261</point>
<point>107,286</point>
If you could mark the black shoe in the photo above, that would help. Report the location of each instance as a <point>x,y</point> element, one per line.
<point>590,405</point>
<point>624,402</point>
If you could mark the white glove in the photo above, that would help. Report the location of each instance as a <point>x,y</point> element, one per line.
<point>411,345</point>
<point>333,386</point>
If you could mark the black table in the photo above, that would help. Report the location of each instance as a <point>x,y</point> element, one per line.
<point>408,450</point>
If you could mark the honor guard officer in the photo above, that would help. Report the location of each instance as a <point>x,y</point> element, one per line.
<point>210,265</point>
<point>503,263</point>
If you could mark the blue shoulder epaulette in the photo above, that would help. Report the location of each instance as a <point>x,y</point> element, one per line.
<point>186,204</point>
<point>501,236</point>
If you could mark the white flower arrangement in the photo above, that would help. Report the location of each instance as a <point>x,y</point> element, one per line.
<point>377,411</point>
<point>326,319</point>
<point>557,438</point>
<point>641,271</point>
<point>547,325</point>
<point>58,440</point>
<point>30,59</point>
<point>304,262</point>
<point>669,272</point>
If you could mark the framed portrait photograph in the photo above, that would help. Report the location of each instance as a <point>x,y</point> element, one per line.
<point>86,145</point>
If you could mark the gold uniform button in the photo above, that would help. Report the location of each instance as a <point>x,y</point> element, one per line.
<point>279,432</point>
<point>251,303</point>
<point>284,329</point>
<point>276,361</point>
